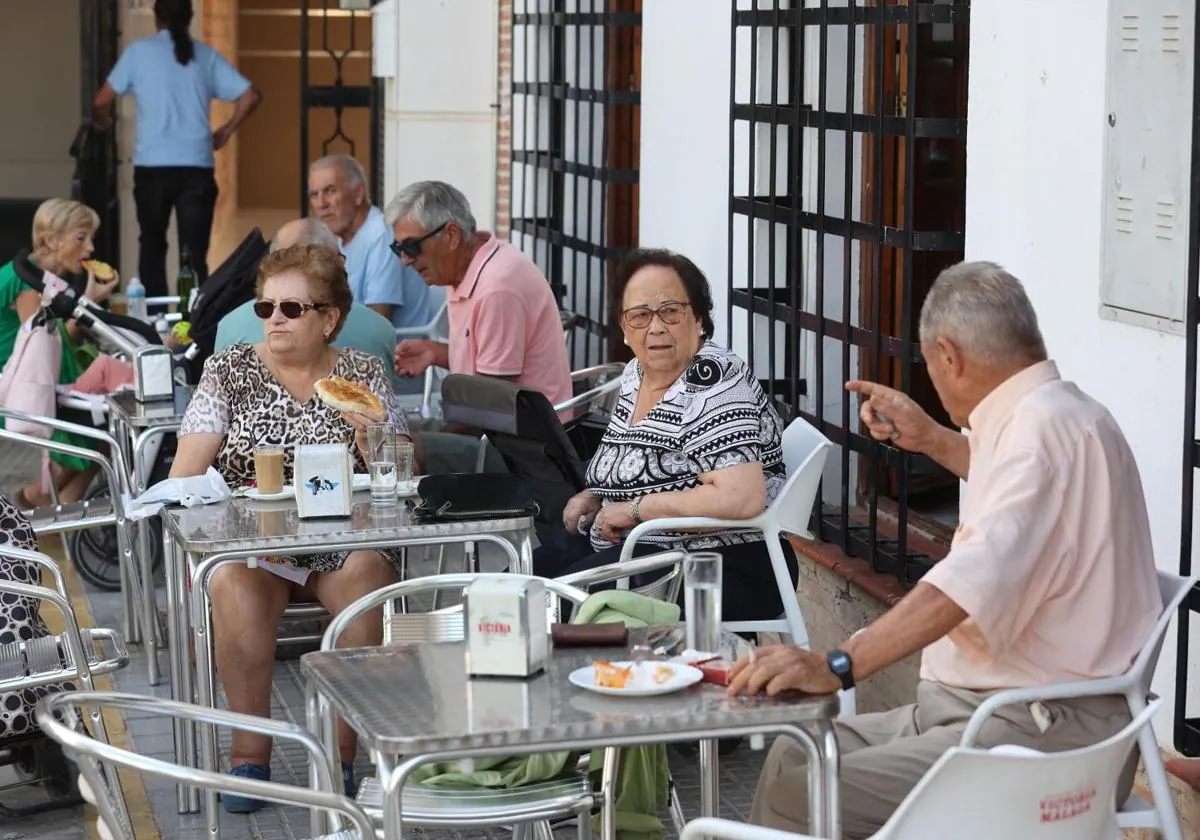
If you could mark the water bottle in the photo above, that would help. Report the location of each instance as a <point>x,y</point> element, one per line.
<point>135,299</point>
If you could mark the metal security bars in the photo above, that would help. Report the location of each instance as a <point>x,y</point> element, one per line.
<point>847,196</point>
<point>340,35</point>
<point>576,120</point>
<point>1187,722</point>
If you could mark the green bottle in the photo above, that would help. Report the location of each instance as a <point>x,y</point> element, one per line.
<point>186,283</point>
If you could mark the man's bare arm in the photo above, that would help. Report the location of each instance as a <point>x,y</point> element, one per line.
<point>921,618</point>
<point>951,449</point>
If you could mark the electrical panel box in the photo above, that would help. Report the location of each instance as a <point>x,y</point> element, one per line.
<point>1147,162</point>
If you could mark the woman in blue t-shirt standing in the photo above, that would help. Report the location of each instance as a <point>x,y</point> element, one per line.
<point>175,80</point>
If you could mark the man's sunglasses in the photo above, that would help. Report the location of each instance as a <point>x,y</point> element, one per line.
<point>411,247</point>
<point>291,309</point>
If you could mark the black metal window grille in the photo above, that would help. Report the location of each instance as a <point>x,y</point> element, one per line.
<point>575,114</point>
<point>1187,718</point>
<point>845,118</point>
<point>337,38</point>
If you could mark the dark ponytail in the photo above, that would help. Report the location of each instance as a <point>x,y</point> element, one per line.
<point>176,17</point>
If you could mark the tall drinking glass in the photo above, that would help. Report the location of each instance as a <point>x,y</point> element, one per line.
<point>702,601</point>
<point>381,460</point>
<point>405,465</point>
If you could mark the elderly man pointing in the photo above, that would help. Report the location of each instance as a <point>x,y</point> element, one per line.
<point>1050,577</point>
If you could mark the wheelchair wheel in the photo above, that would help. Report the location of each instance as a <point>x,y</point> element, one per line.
<point>60,777</point>
<point>25,762</point>
<point>95,551</point>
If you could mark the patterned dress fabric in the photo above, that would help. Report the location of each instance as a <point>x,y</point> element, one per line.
<point>20,620</point>
<point>714,416</point>
<point>238,397</point>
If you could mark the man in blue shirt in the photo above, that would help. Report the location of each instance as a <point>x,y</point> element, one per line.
<point>337,190</point>
<point>365,330</point>
<point>174,80</point>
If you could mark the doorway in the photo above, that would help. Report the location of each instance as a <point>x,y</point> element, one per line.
<point>914,184</point>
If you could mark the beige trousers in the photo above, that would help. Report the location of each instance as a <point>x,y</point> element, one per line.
<point>884,755</point>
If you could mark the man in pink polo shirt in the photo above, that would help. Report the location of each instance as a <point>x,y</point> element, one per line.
<point>504,320</point>
<point>1050,577</point>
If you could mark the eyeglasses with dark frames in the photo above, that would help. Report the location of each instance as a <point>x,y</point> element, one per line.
<point>670,313</point>
<point>411,247</point>
<point>291,309</point>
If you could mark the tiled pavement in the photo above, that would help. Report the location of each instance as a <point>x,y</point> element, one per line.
<point>152,737</point>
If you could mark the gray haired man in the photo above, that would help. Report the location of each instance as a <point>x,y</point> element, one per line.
<point>337,190</point>
<point>1050,577</point>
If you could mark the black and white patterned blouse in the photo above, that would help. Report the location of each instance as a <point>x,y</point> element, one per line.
<point>714,416</point>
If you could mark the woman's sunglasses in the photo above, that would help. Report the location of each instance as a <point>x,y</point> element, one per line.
<point>291,309</point>
<point>411,247</point>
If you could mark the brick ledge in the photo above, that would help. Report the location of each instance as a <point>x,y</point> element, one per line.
<point>883,588</point>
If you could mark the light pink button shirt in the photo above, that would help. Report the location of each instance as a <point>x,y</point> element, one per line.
<point>1052,558</point>
<point>504,321</point>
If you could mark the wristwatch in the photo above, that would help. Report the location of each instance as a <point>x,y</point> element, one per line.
<point>635,509</point>
<point>842,667</point>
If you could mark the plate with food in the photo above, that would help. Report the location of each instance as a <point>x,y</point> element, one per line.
<point>635,679</point>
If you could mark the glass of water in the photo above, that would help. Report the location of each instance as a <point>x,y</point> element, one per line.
<point>405,466</point>
<point>381,460</point>
<point>702,601</point>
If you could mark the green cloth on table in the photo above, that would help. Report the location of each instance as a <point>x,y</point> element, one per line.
<point>642,776</point>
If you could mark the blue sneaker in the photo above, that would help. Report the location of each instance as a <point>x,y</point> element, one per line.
<point>236,804</point>
<point>348,779</point>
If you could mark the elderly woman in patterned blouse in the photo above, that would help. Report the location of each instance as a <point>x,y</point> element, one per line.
<point>263,394</point>
<point>693,434</point>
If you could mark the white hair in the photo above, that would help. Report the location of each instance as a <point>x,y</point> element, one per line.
<point>430,204</point>
<point>351,168</point>
<point>984,311</point>
<point>309,231</point>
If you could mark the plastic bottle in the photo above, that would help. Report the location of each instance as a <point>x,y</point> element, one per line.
<point>135,299</point>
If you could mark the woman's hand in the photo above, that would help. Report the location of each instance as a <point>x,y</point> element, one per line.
<point>581,509</point>
<point>613,521</point>
<point>359,423</point>
<point>98,292</point>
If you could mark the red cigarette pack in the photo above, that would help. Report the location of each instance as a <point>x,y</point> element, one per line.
<point>716,671</point>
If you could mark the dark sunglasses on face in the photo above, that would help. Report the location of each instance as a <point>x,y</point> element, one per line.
<point>291,309</point>
<point>411,247</point>
<point>670,313</point>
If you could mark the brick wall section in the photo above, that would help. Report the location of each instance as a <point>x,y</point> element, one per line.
<point>219,29</point>
<point>504,121</point>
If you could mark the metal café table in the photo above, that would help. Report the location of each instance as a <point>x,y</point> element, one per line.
<point>416,702</point>
<point>197,540</point>
<point>135,425</point>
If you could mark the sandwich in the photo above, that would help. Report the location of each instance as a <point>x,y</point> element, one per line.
<point>343,395</point>
<point>102,271</point>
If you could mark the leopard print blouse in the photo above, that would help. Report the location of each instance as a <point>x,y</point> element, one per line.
<point>238,397</point>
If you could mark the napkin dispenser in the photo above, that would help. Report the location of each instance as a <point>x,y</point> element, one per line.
<point>506,627</point>
<point>322,478</point>
<point>153,374</point>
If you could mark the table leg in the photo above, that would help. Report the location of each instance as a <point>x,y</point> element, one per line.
<point>145,568</point>
<point>820,756</point>
<point>710,781</point>
<point>833,807</point>
<point>120,433</point>
<point>206,694</point>
<point>608,789</point>
<point>175,660</point>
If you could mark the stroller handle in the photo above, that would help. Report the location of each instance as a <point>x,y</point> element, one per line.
<point>68,304</point>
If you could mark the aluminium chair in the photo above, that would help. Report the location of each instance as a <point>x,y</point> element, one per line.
<point>58,715</point>
<point>998,794</point>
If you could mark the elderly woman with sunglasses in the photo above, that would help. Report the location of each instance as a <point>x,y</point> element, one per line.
<point>263,394</point>
<point>693,434</point>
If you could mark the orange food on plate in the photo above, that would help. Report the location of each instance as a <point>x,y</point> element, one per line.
<point>609,675</point>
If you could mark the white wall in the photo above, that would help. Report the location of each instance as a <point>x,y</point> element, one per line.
<point>1035,156</point>
<point>40,66</point>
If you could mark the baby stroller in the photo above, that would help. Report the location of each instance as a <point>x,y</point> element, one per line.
<point>227,288</point>
<point>93,551</point>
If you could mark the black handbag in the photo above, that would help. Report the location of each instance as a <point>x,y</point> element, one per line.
<point>464,496</point>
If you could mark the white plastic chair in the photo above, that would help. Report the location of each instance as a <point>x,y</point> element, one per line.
<point>1134,686</point>
<point>437,329</point>
<point>998,794</point>
<point>58,716</point>
<point>804,453</point>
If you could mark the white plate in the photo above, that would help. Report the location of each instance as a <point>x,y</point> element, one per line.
<point>641,682</point>
<point>286,493</point>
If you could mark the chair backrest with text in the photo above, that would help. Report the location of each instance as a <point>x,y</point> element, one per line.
<point>1010,792</point>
